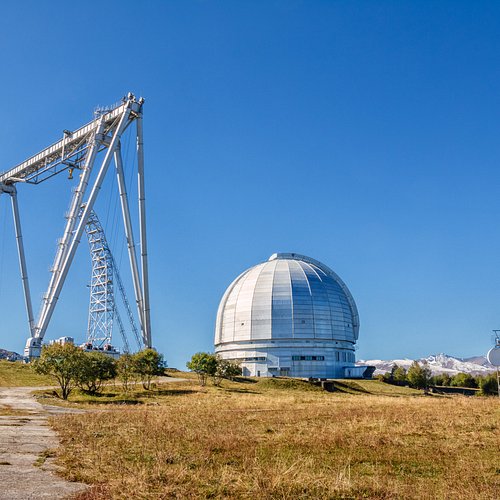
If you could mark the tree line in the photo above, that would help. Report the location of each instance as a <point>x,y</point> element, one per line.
<point>73,367</point>
<point>419,376</point>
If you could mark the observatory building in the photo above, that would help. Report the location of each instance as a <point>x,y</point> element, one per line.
<point>289,316</point>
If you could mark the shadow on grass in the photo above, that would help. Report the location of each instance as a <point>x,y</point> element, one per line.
<point>169,392</point>
<point>244,380</point>
<point>242,391</point>
<point>350,388</point>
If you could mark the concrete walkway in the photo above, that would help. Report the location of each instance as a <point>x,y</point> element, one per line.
<point>24,437</point>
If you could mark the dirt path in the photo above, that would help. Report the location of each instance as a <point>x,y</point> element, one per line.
<point>24,437</point>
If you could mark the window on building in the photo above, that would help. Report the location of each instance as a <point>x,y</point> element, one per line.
<point>308,358</point>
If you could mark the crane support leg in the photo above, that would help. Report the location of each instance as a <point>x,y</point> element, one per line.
<point>142,229</point>
<point>122,188</point>
<point>11,190</point>
<point>22,259</point>
<point>44,321</point>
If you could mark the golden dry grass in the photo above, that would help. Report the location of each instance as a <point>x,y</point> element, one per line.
<point>18,374</point>
<point>248,441</point>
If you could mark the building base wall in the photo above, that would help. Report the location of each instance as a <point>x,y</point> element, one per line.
<point>305,360</point>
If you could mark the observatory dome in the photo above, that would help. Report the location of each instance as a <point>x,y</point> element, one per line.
<point>289,316</point>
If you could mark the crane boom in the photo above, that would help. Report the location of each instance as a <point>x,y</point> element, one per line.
<point>54,158</point>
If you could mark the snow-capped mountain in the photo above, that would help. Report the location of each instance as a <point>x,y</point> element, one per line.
<point>438,363</point>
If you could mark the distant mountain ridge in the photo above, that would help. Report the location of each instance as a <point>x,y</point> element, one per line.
<point>438,363</point>
<point>10,355</point>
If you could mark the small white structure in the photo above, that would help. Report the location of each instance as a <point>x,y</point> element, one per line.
<point>107,349</point>
<point>63,340</point>
<point>289,316</point>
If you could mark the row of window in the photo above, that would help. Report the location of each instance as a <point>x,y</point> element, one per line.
<point>339,356</point>
<point>308,358</point>
<point>346,356</point>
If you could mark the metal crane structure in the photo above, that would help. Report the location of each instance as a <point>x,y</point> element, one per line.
<point>102,299</point>
<point>80,150</point>
<point>103,308</point>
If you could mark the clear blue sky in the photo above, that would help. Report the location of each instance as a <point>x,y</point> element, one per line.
<point>363,134</point>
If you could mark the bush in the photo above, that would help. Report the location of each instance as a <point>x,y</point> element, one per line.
<point>147,364</point>
<point>93,369</point>
<point>61,362</point>
<point>419,376</point>
<point>225,369</point>
<point>397,376</point>
<point>489,385</point>
<point>204,364</point>
<point>442,379</point>
<point>463,380</point>
<point>125,370</point>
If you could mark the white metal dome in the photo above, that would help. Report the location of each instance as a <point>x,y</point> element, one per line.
<point>290,300</point>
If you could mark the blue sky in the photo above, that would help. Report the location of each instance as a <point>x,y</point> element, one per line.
<point>363,134</point>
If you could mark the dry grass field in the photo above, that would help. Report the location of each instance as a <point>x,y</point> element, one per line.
<point>269,440</point>
<point>18,374</point>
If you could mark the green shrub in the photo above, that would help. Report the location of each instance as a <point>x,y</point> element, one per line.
<point>147,364</point>
<point>93,369</point>
<point>463,380</point>
<point>489,385</point>
<point>62,362</point>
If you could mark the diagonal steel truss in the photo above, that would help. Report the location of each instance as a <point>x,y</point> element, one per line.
<point>79,150</point>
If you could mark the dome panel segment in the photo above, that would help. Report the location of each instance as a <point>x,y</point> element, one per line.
<point>281,291</point>
<point>244,301</point>
<point>262,303</point>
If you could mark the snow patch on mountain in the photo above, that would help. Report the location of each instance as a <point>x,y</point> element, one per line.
<point>438,363</point>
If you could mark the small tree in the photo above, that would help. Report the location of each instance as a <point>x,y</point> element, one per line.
<point>489,385</point>
<point>442,379</point>
<point>446,379</point>
<point>389,376</point>
<point>225,369</point>
<point>399,376</point>
<point>94,369</point>
<point>125,370</point>
<point>463,380</point>
<point>204,364</point>
<point>147,364</point>
<point>419,376</point>
<point>61,362</point>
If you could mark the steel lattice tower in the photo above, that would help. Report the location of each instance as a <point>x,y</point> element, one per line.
<point>102,299</point>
